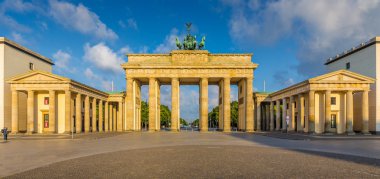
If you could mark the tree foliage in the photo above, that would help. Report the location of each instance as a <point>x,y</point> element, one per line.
<point>213,116</point>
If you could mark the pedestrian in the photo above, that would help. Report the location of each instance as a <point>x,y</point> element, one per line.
<point>5,133</point>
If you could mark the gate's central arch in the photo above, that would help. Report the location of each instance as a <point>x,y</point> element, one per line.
<point>189,67</point>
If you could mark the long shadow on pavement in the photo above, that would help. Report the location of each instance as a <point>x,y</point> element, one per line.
<point>289,145</point>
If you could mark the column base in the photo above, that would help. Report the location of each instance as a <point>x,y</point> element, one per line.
<point>366,133</point>
<point>351,133</point>
<point>249,130</point>
<point>227,130</point>
<point>203,130</point>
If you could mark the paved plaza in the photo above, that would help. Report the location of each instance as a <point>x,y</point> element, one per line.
<point>187,155</point>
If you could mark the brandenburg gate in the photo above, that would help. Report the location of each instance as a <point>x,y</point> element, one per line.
<point>196,67</point>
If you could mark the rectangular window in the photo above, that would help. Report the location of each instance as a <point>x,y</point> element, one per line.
<point>46,101</point>
<point>348,66</point>
<point>31,66</point>
<point>333,100</point>
<point>287,105</point>
<point>333,121</point>
<point>295,105</point>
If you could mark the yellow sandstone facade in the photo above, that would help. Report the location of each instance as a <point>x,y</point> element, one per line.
<point>197,67</point>
<point>323,104</point>
<point>42,102</point>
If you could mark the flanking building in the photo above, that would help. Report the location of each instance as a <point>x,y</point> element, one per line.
<point>323,104</point>
<point>363,59</point>
<point>15,60</point>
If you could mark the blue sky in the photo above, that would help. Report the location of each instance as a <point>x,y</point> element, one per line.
<point>290,39</point>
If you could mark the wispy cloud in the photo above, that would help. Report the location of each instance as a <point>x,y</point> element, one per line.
<point>103,57</point>
<point>320,28</point>
<point>80,18</point>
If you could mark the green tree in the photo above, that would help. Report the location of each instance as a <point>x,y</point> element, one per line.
<point>165,115</point>
<point>144,114</point>
<point>195,123</point>
<point>183,122</point>
<point>213,116</point>
<point>234,113</point>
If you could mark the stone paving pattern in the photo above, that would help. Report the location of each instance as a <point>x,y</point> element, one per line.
<point>189,155</point>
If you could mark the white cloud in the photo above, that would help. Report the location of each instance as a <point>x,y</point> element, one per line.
<point>321,28</point>
<point>18,6</point>
<point>80,18</point>
<point>132,23</point>
<point>103,57</point>
<point>18,38</point>
<point>169,42</point>
<point>61,59</point>
<point>98,81</point>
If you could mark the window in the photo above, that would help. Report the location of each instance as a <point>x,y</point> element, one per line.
<point>295,104</point>
<point>348,66</point>
<point>333,100</point>
<point>333,120</point>
<point>46,101</point>
<point>31,66</point>
<point>287,105</point>
<point>83,104</point>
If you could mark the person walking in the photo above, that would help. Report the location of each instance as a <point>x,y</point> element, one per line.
<point>5,133</point>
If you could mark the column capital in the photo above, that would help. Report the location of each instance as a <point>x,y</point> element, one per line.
<point>174,79</point>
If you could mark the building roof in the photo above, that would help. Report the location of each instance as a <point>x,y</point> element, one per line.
<point>37,76</point>
<point>353,50</point>
<point>21,48</point>
<point>335,77</point>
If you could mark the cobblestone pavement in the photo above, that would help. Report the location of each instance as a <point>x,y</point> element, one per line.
<point>189,154</point>
<point>209,162</point>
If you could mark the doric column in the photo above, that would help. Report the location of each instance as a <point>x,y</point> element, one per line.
<point>319,120</point>
<point>152,104</point>
<point>301,112</point>
<point>93,115</point>
<point>267,117</point>
<point>203,105</point>
<point>249,126</point>
<point>87,114</point>
<point>258,115</point>
<point>226,105</point>
<point>175,105</point>
<point>106,117</point>
<point>284,105</point>
<point>350,112</point>
<point>291,114</point>
<point>114,116</point>
<point>130,104</point>
<point>68,116</point>
<point>78,113</point>
<point>52,120</point>
<point>328,110</point>
<point>311,112</point>
<point>14,111</point>
<point>120,116</point>
<point>30,112</point>
<point>365,116</point>
<point>271,124</point>
<point>100,116</point>
<point>278,113</point>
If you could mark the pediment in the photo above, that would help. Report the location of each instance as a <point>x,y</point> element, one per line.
<point>38,76</point>
<point>342,76</point>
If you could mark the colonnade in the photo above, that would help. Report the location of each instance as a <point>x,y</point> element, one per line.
<point>48,111</point>
<point>133,98</point>
<point>313,112</point>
